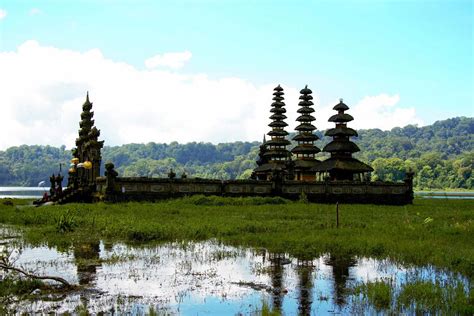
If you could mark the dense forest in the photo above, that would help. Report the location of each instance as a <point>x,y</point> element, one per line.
<point>442,156</point>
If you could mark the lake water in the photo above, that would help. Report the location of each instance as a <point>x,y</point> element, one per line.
<point>22,192</point>
<point>201,278</point>
<point>445,194</point>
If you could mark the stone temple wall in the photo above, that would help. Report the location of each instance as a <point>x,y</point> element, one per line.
<point>138,189</point>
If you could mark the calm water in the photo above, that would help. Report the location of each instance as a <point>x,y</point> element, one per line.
<point>201,278</point>
<point>445,194</point>
<point>22,192</point>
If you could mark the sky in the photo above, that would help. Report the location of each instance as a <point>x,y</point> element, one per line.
<point>163,71</point>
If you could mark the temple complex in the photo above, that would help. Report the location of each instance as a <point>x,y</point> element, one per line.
<point>279,172</point>
<point>305,151</point>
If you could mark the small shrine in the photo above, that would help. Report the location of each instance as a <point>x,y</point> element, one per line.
<point>341,165</point>
<point>305,151</point>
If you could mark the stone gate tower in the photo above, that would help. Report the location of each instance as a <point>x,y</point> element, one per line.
<point>88,148</point>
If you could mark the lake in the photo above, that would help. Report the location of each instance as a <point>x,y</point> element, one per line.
<point>445,194</point>
<point>203,278</point>
<point>22,192</point>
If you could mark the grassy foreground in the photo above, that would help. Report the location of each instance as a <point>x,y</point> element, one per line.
<point>438,232</point>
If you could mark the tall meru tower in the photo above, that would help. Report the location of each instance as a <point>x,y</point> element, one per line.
<point>341,165</point>
<point>305,151</point>
<point>275,153</point>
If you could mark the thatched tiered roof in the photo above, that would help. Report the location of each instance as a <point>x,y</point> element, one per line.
<point>276,146</point>
<point>341,165</point>
<point>305,137</point>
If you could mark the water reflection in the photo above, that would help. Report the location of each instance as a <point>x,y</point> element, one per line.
<point>305,270</point>
<point>277,263</point>
<point>202,278</point>
<point>340,270</point>
<point>87,260</point>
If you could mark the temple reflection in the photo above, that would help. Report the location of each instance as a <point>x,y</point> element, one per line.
<point>276,271</point>
<point>340,270</point>
<point>87,259</point>
<point>305,269</point>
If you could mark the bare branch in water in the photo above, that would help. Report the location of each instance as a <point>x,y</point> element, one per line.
<point>4,264</point>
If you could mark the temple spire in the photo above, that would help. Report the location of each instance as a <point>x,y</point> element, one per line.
<point>305,151</point>
<point>274,156</point>
<point>88,147</point>
<point>276,146</point>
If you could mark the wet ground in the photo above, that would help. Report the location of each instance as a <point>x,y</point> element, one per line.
<point>199,278</point>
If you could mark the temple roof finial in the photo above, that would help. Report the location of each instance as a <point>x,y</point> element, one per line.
<point>87,97</point>
<point>278,88</point>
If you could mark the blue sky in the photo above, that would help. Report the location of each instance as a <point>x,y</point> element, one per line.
<point>420,51</point>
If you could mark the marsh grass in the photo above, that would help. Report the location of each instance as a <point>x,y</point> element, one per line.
<point>265,310</point>
<point>303,230</point>
<point>65,222</point>
<point>114,259</point>
<point>378,293</point>
<point>19,287</point>
<point>14,288</point>
<point>420,296</point>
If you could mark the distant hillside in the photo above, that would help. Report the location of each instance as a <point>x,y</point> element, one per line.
<point>442,155</point>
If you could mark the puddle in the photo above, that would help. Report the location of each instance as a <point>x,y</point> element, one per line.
<point>203,278</point>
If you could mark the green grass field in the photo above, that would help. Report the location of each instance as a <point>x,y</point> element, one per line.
<point>437,232</point>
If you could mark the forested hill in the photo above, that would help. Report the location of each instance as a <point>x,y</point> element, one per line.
<point>442,155</point>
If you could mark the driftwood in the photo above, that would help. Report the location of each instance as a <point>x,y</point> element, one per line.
<point>6,266</point>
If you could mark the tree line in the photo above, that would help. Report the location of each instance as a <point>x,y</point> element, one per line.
<point>441,155</point>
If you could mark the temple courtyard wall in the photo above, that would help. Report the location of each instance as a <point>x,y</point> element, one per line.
<point>150,189</point>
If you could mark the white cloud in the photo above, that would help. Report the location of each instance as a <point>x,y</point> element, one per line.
<point>170,60</point>
<point>3,14</point>
<point>43,89</point>
<point>380,111</point>
<point>35,11</point>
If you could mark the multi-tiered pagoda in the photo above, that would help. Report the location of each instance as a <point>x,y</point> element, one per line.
<point>341,165</point>
<point>87,152</point>
<point>276,155</point>
<point>305,151</point>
